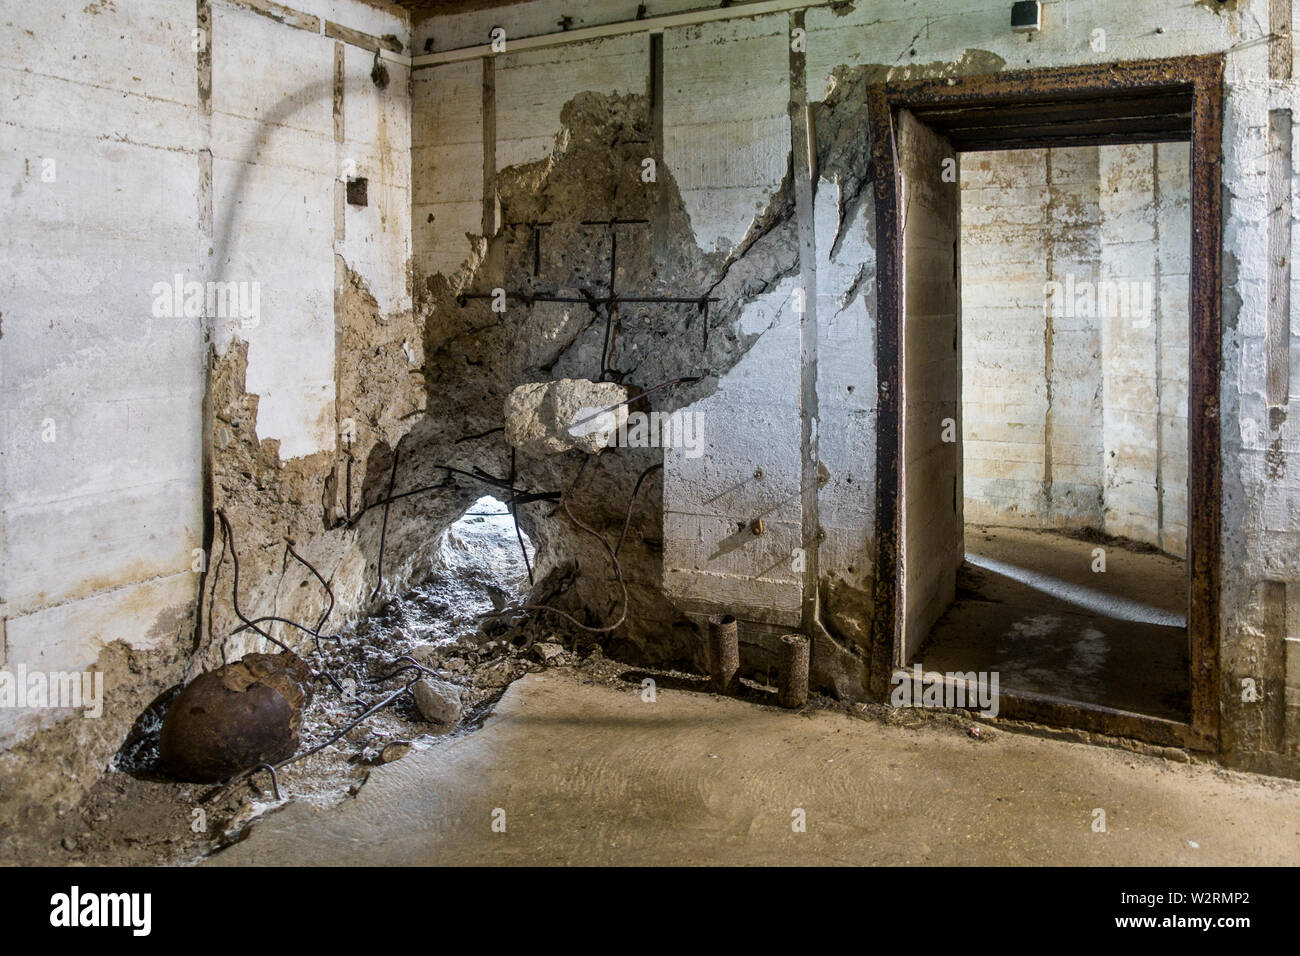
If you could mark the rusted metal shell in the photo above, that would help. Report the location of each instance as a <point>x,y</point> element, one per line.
<point>236,717</point>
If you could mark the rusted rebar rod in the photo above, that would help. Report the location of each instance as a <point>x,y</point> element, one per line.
<point>319,577</point>
<point>383,530</point>
<point>627,517</point>
<point>618,571</point>
<point>514,515</point>
<point>229,535</point>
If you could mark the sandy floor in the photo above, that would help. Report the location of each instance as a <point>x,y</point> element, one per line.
<point>587,772</point>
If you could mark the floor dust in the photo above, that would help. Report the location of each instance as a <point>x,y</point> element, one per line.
<point>573,769</point>
<point>1033,607</point>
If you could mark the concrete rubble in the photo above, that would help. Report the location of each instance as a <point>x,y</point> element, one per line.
<point>438,702</point>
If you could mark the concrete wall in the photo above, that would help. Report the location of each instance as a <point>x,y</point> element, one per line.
<point>1145,243</point>
<point>1021,232</point>
<point>101,453</point>
<point>150,139</point>
<point>727,144</point>
<point>931,380</point>
<point>726,128</point>
<point>1262,532</point>
<point>1075,362</point>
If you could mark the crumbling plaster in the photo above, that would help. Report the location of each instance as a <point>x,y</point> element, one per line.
<point>151,140</point>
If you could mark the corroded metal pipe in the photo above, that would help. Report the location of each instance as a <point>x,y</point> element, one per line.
<point>724,654</point>
<point>793,688</point>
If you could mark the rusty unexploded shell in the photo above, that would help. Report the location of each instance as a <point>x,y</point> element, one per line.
<point>235,717</point>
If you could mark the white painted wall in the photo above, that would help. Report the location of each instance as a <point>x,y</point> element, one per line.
<point>726,128</point>
<point>727,143</point>
<point>275,163</point>
<point>447,137</point>
<point>711,557</point>
<point>98,522</point>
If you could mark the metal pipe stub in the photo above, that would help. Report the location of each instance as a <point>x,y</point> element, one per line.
<point>792,691</point>
<point>724,654</point>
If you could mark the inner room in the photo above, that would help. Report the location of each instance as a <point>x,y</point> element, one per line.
<point>1072,434</point>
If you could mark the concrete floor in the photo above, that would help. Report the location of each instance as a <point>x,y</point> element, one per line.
<point>588,773</point>
<point>1030,607</point>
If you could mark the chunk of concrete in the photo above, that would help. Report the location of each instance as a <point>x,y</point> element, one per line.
<point>438,702</point>
<point>549,654</point>
<point>547,418</point>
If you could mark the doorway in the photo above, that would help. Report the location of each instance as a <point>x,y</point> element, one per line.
<point>1076,652</point>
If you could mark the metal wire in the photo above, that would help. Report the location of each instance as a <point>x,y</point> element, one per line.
<point>244,775</point>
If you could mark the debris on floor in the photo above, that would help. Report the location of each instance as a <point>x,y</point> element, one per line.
<point>140,813</point>
<point>438,702</point>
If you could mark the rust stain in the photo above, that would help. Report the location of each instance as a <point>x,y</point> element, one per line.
<point>1275,460</point>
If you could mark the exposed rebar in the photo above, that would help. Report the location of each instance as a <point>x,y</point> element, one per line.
<point>383,530</point>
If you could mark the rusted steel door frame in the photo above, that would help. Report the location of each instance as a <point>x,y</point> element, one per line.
<point>1202,76</point>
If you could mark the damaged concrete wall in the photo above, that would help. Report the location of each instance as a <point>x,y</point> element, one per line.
<point>566,220</point>
<point>173,170</point>
<point>727,135</point>
<point>845,44</point>
<point>305,400</point>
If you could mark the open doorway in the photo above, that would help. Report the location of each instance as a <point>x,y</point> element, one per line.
<point>1049,354</point>
<point>1073,267</point>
